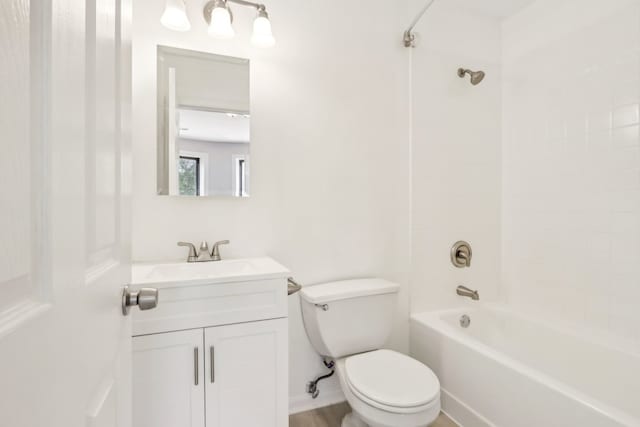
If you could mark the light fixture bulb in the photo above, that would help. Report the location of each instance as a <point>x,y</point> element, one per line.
<point>220,25</point>
<point>262,35</point>
<point>175,16</point>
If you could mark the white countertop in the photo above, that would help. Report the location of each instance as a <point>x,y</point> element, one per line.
<point>228,270</point>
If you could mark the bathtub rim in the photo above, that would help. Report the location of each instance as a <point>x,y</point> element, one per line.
<point>433,320</point>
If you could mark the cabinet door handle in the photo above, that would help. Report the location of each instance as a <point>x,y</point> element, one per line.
<point>195,366</point>
<point>213,364</point>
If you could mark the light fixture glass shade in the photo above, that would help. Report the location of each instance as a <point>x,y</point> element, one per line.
<point>175,16</point>
<point>262,35</point>
<point>220,26</point>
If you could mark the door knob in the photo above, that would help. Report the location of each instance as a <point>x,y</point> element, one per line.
<point>145,299</point>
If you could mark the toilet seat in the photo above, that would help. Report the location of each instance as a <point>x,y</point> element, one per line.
<point>391,381</point>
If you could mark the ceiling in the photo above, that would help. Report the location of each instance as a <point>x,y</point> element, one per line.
<point>494,8</point>
<point>213,126</point>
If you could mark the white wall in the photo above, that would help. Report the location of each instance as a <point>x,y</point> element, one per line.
<point>455,156</point>
<point>571,235</point>
<point>329,152</point>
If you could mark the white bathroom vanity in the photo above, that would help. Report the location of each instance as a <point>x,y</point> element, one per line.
<point>214,352</point>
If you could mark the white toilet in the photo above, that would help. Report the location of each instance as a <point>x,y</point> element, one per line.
<point>349,321</point>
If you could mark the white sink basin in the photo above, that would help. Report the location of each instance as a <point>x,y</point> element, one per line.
<point>207,272</point>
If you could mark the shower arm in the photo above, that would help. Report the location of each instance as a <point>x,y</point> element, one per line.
<point>409,38</point>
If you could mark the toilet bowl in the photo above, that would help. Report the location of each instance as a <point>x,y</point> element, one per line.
<point>388,389</point>
<point>349,321</point>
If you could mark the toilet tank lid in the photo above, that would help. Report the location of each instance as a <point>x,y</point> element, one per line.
<point>344,289</point>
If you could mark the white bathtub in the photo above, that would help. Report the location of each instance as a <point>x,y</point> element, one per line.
<point>509,371</point>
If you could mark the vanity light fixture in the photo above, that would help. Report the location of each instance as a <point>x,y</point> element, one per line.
<point>262,35</point>
<point>175,16</point>
<point>219,18</point>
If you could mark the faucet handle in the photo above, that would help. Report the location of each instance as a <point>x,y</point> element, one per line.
<point>215,251</point>
<point>464,253</point>
<point>193,254</point>
<point>461,254</point>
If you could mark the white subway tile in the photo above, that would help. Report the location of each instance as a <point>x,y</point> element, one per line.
<point>571,199</point>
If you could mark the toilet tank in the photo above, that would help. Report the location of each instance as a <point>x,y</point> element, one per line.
<point>349,316</point>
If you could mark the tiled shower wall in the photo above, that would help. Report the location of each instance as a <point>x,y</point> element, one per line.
<point>455,156</point>
<point>571,164</point>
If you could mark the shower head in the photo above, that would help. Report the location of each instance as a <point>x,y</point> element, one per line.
<point>476,76</point>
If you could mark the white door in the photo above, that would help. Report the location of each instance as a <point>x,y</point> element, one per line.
<point>246,374</point>
<point>168,379</point>
<point>64,214</point>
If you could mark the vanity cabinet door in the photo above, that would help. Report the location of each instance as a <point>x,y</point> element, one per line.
<point>168,379</point>
<point>247,374</point>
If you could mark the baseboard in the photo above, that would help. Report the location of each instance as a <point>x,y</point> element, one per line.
<point>455,409</point>
<point>460,413</point>
<point>305,402</point>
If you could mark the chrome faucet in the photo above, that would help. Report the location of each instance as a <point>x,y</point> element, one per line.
<point>463,291</point>
<point>203,255</point>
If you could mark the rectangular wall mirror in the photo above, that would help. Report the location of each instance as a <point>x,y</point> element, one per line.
<point>203,124</point>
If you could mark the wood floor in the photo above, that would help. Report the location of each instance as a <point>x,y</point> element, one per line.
<point>331,416</point>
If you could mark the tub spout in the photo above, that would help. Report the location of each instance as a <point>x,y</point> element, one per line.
<point>466,292</point>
